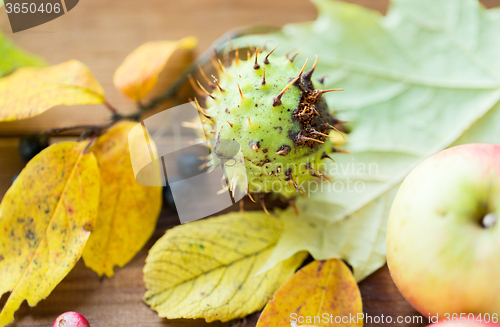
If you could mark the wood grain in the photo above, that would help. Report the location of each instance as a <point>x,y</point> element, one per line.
<point>100,34</point>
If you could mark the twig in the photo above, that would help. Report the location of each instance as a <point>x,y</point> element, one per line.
<point>70,128</point>
<point>89,143</point>
<point>110,107</point>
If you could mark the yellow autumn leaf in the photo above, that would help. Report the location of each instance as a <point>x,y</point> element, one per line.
<point>30,91</point>
<point>128,211</point>
<point>45,220</point>
<point>206,269</point>
<point>139,72</point>
<point>323,293</point>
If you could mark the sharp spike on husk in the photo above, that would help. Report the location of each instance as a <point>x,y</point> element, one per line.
<point>325,156</point>
<point>250,196</point>
<point>284,150</point>
<point>223,190</point>
<point>237,55</point>
<point>291,203</point>
<point>266,60</point>
<point>288,174</point>
<point>302,192</point>
<point>252,49</point>
<point>311,139</point>
<point>295,55</point>
<point>296,185</point>
<point>194,86</point>
<point>288,52</point>
<point>322,176</point>
<point>262,203</point>
<point>216,54</point>
<point>205,77</point>
<point>330,90</point>
<point>203,166</point>
<point>233,184</point>
<point>225,57</point>
<point>230,124</point>
<point>217,83</point>
<point>256,64</point>
<point>249,121</point>
<point>303,67</point>
<point>263,76</point>
<point>322,79</point>
<point>204,90</point>
<point>199,108</point>
<point>277,100</point>
<point>221,66</point>
<point>335,129</point>
<point>341,151</point>
<point>216,65</point>
<point>322,134</point>
<point>241,93</point>
<point>307,76</point>
<point>340,121</point>
<point>301,138</point>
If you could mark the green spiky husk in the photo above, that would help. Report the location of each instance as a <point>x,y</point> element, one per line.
<point>282,140</point>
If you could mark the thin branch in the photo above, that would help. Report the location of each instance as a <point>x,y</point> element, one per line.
<point>110,107</point>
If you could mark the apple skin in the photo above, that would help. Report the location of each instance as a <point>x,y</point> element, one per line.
<point>71,319</point>
<point>441,258</point>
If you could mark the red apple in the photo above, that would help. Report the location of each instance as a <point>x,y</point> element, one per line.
<point>443,237</point>
<point>71,319</point>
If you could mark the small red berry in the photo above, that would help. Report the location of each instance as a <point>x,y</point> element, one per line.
<point>71,319</point>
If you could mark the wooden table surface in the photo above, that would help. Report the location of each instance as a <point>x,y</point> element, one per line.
<point>100,34</point>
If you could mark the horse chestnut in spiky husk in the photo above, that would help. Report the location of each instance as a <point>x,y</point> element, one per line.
<point>281,122</point>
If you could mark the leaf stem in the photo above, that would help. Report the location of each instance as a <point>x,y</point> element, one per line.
<point>89,143</point>
<point>110,107</point>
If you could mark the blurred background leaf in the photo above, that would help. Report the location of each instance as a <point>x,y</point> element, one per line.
<point>14,57</point>
<point>138,75</point>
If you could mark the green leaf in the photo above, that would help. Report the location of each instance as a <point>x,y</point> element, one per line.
<point>14,58</point>
<point>423,78</point>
